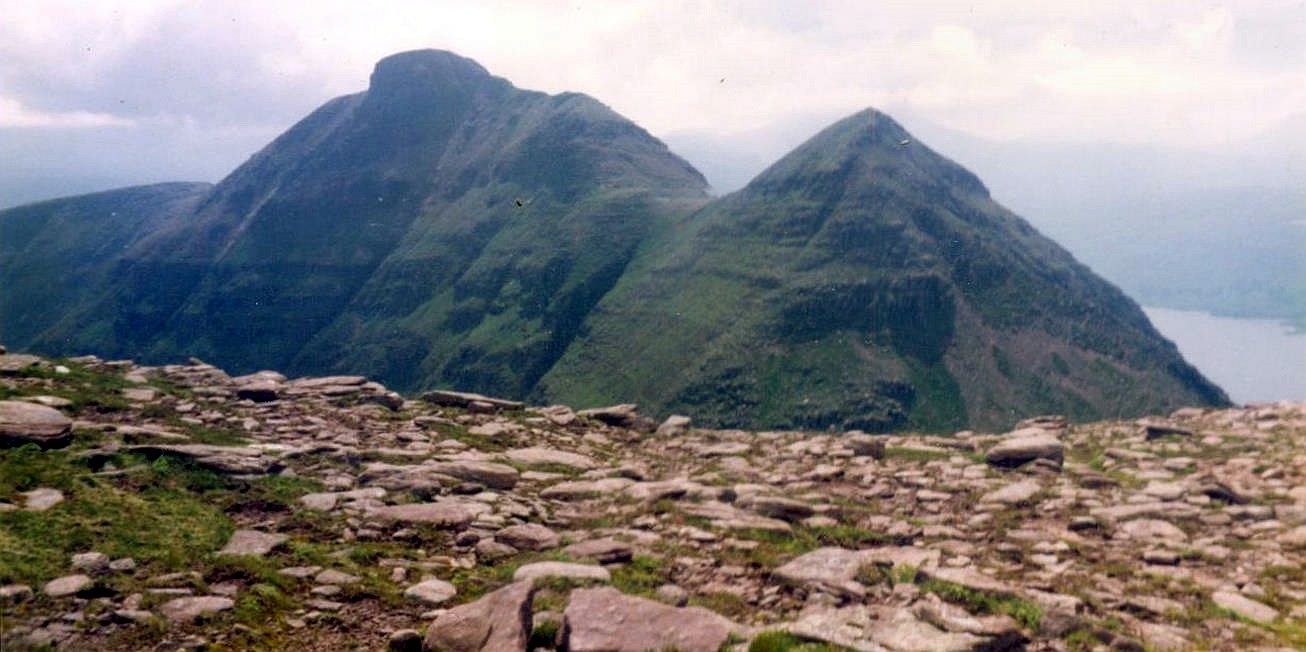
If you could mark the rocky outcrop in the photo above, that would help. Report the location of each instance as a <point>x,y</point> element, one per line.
<point>331,518</point>
<point>499,621</point>
<point>605,620</point>
<point>29,423</point>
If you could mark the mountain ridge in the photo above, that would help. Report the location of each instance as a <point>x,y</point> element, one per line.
<point>444,228</point>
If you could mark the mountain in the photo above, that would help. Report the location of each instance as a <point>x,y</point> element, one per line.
<point>864,281</point>
<point>443,226</point>
<point>446,229</point>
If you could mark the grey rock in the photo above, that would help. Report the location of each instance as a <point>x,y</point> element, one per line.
<point>192,608</point>
<point>431,592</point>
<point>252,543</point>
<point>498,621</point>
<point>67,585</point>
<point>528,536</point>
<point>561,569</point>
<point>28,423</point>
<point>1020,449</point>
<point>604,551</point>
<point>605,620</point>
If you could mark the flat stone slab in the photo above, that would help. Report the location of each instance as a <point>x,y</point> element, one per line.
<point>1244,606</point>
<point>431,592</point>
<point>490,474</point>
<point>14,363</point>
<point>539,456</point>
<point>1024,448</point>
<point>604,551</point>
<point>604,619</point>
<point>466,399</point>
<point>39,500</point>
<point>29,423</point>
<point>252,543</point>
<point>68,585</point>
<point>236,460</point>
<point>561,569</point>
<point>832,570</point>
<point>1014,493</point>
<point>192,608</point>
<point>442,514</point>
<point>583,489</point>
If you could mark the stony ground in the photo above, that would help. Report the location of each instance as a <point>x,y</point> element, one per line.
<point>179,508</point>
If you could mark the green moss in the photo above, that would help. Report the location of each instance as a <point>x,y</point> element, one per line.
<point>642,576</point>
<point>158,519</point>
<point>1024,612</point>
<point>776,641</point>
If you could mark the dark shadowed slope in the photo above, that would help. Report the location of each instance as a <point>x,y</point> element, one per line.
<point>442,227</point>
<point>865,281</point>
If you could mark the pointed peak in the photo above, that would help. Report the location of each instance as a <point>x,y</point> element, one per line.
<point>866,139</point>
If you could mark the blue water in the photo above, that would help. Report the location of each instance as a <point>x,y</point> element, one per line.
<point>1254,360</point>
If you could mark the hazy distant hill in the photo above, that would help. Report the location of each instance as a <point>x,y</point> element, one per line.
<point>444,228</point>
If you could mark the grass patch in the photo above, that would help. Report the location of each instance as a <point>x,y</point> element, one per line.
<point>642,576</point>
<point>776,641</point>
<point>161,522</point>
<point>89,391</point>
<point>727,604</point>
<point>1028,614</point>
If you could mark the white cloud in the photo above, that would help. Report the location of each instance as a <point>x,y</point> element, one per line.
<point>1164,72</point>
<point>14,115</point>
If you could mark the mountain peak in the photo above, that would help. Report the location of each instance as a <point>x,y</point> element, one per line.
<point>865,146</point>
<point>426,70</point>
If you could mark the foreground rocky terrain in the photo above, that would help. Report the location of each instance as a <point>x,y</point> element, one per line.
<point>177,507</point>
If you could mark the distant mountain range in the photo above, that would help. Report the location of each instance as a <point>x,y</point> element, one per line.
<point>446,229</point>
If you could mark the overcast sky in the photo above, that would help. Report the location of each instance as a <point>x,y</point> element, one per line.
<point>149,90</point>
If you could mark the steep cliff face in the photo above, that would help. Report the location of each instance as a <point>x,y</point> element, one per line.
<point>864,281</point>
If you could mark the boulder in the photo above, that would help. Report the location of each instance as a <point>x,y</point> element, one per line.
<point>498,621</point>
<point>1244,606</point>
<point>832,570</point>
<point>528,536</point>
<point>561,569</point>
<point>674,426</point>
<point>621,416</point>
<point>605,620</point>
<point>252,543</point>
<point>431,592</point>
<point>1018,450</point>
<point>1150,529</point>
<point>785,509</point>
<point>604,551</point>
<point>450,514</point>
<point>539,456</point>
<point>864,445</point>
<point>467,399</point>
<point>67,585</point>
<point>495,476</point>
<point>192,608</point>
<point>1014,493</point>
<point>28,423</point>
<point>12,364</point>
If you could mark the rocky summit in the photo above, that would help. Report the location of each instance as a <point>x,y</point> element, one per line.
<point>179,507</point>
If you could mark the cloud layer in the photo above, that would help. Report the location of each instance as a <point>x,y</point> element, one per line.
<point>1169,73</point>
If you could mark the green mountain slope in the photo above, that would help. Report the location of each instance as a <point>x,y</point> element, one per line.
<point>446,229</point>
<point>443,226</point>
<point>865,281</point>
